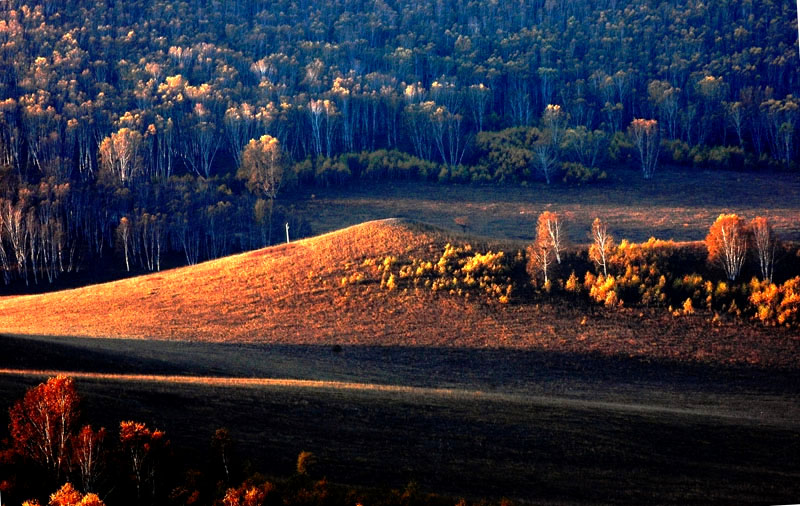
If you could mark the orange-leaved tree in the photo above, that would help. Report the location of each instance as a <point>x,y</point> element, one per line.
<point>247,495</point>
<point>88,456</point>
<point>546,247</point>
<point>727,244</point>
<point>42,423</point>
<point>144,446</point>
<point>65,496</point>
<point>550,231</point>
<point>68,496</point>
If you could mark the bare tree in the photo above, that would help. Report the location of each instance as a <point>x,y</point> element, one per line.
<point>644,133</point>
<point>545,158</point>
<point>602,244</point>
<point>222,444</point>
<point>479,96</point>
<point>200,140</point>
<point>549,232</point>
<point>124,235</point>
<point>316,108</point>
<point>766,244</point>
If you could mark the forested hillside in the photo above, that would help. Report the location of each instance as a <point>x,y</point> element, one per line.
<point>126,127</point>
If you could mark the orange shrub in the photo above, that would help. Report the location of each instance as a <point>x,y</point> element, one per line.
<point>776,304</point>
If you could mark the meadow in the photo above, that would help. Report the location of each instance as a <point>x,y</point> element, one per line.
<point>536,427</point>
<point>544,400</point>
<point>679,204</point>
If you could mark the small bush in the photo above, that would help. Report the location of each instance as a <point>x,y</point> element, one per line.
<point>576,173</point>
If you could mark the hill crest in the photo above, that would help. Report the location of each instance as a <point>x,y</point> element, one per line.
<point>295,294</point>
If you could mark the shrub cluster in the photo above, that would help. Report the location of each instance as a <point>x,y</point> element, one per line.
<point>720,157</point>
<point>368,166</point>
<point>776,304</point>
<point>676,277</point>
<point>458,270</point>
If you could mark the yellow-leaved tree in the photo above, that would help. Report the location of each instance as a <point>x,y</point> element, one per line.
<point>727,244</point>
<point>262,169</point>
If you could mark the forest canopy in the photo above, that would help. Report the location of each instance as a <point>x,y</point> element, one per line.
<point>123,125</point>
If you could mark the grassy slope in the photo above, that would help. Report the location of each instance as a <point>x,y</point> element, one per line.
<point>670,433</point>
<point>291,294</point>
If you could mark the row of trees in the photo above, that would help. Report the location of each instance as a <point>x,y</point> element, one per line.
<point>730,241</point>
<point>661,273</point>
<point>52,228</point>
<point>45,432</point>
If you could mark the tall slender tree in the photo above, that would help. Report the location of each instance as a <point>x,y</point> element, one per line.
<point>263,171</point>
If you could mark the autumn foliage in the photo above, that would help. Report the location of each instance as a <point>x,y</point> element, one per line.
<point>602,244</point>
<point>69,496</point>
<point>247,495</point>
<point>144,447</point>
<point>727,244</point>
<point>42,423</point>
<point>88,455</point>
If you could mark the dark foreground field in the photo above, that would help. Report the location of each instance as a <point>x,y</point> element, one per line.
<point>530,425</point>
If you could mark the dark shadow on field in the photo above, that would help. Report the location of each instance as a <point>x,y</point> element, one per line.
<point>504,370</point>
<point>469,445</point>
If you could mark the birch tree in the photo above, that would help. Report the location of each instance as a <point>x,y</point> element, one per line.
<point>263,170</point>
<point>644,134</point>
<point>766,244</point>
<point>602,244</point>
<point>549,231</point>
<point>727,244</point>
<point>42,423</point>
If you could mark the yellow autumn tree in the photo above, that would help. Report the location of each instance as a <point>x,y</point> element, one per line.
<point>727,244</point>
<point>262,169</point>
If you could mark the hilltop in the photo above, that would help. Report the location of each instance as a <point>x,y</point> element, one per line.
<point>294,294</point>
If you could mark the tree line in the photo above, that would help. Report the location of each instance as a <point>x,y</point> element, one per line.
<point>123,125</point>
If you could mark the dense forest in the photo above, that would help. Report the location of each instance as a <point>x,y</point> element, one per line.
<point>137,130</point>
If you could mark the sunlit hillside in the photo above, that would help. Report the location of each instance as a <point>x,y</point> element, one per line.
<point>294,293</point>
<point>283,293</point>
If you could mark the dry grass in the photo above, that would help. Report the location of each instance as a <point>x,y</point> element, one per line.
<point>602,401</point>
<point>274,293</point>
<point>679,203</point>
<point>535,453</point>
<point>292,294</point>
